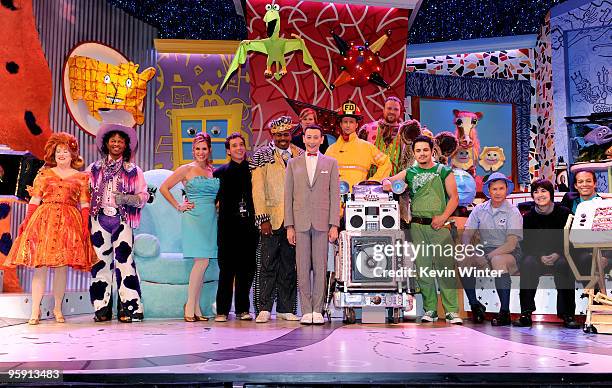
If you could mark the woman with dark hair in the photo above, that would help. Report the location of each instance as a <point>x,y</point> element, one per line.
<point>55,232</point>
<point>543,253</point>
<point>199,218</point>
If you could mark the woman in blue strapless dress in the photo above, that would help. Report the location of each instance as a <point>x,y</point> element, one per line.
<point>199,218</point>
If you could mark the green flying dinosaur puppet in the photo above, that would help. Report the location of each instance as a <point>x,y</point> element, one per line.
<point>276,48</point>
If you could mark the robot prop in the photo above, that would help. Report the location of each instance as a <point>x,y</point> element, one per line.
<point>374,271</point>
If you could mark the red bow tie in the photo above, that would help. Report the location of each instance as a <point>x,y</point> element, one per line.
<point>311,154</point>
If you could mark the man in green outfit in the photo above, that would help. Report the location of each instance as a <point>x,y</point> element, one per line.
<point>433,194</point>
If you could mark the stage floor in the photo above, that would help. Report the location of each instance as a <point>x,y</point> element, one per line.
<point>237,348</point>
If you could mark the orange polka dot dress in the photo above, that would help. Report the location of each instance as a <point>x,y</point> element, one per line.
<point>53,236</point>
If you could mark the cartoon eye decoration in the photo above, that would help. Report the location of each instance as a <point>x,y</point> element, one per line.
<point>268,7</point>
<point>458,122</point>
<point>191,131</point>
<point>128,82</point>
<point>276,7</point>
<point>107,79</point>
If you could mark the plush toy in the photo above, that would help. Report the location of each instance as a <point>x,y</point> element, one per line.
<point>463,159</point>
<point>445,143</point>
<point>469,145</point>
<point>275,47</point>
<point>492,158</point>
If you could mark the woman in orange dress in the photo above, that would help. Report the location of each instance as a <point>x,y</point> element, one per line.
<point>55,231</point>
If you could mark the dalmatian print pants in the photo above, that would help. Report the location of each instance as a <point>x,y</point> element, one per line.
<point>113,241</point>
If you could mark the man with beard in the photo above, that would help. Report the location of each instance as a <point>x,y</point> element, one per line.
<point>119,191</point>
<point>384,133</point>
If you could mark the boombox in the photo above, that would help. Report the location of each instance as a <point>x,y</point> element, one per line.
<point>366,215</point>
<point>363,261</point>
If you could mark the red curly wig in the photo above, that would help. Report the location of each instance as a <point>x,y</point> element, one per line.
<point>69,141</point>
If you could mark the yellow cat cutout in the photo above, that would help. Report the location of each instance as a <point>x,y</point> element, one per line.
<point>102,85</point>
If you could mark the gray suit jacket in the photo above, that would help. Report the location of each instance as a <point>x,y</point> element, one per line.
<point>316,205</point>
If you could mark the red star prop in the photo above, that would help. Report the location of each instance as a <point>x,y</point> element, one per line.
<point>360,64</point>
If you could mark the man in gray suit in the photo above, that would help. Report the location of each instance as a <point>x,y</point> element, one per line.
<point>312,217</point>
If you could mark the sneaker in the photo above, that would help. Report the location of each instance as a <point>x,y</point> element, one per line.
<point>317,319</point>
<point>454,319</point>
<point>245,317</point>
<point>221,318</point>
<point>263,317</point>
<point>287,316</point>
<point>306,319</point>
<point>429,316</point>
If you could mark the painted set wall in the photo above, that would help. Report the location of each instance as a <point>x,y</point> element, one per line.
<point>313,21</point>
<point>581,49</point>
<point>189,81</point>
<point>545,153</point>
<point>515,64</point>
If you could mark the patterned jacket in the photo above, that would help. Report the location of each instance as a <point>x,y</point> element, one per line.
<point>132,182</point>
<point>268,178</point>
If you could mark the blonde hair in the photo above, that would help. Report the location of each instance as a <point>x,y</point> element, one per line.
<point>66,139</point>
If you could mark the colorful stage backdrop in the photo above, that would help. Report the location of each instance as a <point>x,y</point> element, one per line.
<point>314,23</point>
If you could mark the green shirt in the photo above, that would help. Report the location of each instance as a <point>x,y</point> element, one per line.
<point>427,189</point>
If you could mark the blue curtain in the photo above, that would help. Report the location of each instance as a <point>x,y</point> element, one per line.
<point>482,89</point>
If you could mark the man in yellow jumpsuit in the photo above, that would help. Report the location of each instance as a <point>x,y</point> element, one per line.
<point>354,155</point>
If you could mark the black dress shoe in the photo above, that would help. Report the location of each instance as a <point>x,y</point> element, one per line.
<point>523,321</point>
<point>478,312</point>
<point>570,323</point>
<point>502,319</point>
<point>104,314</point>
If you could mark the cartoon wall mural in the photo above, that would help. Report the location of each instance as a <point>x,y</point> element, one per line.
<point>313,22</point>
<point>189,99</point>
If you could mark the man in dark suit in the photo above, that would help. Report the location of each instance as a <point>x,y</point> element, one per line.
<point>236,218</point>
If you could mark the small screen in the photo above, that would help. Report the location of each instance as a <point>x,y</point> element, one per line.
<point>372,211</point>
